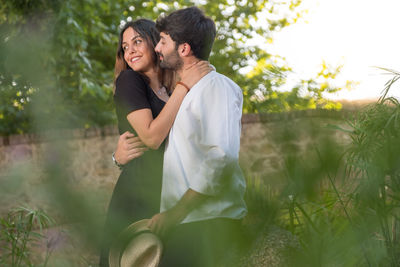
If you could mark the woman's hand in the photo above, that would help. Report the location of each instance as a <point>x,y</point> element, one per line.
<point>192,74</point>
<point>129,147</point>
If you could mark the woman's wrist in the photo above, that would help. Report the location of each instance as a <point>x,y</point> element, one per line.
<point>180,90</point>
<point>119,165</point>
<point>183,85</point>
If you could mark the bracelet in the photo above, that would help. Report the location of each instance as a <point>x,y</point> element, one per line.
<point>184,85</point>
<point>120,166</point>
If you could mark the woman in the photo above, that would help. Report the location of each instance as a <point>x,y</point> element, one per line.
<point>144,107</point>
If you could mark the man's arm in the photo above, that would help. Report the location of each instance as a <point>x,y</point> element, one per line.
<point>218,141</point>
<point>217,109</point>
<point>161,223</point>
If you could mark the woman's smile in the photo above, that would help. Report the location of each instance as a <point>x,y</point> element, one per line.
<point>137,53</point>
<point>134,59</point>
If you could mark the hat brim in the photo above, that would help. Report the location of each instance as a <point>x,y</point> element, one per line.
<point>136,246</point>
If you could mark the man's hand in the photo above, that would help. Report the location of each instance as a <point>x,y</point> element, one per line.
<point>162,223</point>
<point>129,147</point>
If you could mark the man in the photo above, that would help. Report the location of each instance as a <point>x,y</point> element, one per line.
<point>203,186</point>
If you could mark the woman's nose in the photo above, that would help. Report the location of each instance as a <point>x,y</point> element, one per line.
<point>131,49</point>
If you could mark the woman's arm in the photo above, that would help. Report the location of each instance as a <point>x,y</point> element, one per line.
<point>152,132</point>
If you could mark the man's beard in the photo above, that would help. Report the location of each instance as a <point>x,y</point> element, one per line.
<point>171,61</point>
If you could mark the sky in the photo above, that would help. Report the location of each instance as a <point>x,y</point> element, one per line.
<point>360,34</point>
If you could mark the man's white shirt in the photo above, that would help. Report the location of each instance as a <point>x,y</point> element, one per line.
<point>202,150</point>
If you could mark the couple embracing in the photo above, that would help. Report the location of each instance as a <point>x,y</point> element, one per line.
<point>169,99</point>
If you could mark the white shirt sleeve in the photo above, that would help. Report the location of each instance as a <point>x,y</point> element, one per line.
<point>218,110</point>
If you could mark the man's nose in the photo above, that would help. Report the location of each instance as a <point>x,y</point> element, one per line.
<point>157,48</point>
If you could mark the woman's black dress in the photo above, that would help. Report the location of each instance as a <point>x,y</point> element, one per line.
<point>137,193</point>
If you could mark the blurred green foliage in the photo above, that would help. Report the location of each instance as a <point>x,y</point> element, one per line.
<point>342,201</point>
<point>69,48</point>
<point>56,64</point>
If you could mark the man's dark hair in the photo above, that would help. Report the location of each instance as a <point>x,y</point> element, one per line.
<point>190,25</point>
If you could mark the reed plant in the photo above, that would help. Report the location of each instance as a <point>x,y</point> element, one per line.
<point>19,230</point>
<point>343,205</point>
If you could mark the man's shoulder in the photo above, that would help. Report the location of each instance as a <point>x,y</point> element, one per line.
<point>223,83</point>
<point>218,79</point>
<point>216,75</point>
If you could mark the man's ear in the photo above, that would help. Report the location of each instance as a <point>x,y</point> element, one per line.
<point>184,50</point>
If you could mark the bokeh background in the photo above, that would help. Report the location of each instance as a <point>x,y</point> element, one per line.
<point>323,172</point>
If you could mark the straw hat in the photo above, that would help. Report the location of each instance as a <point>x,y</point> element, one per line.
<point>136,246</point>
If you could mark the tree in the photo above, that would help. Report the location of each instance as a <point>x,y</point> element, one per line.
<point>67,49</point>
<point>305,94</point>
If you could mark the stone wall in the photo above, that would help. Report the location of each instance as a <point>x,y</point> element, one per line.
<point>81,159</point>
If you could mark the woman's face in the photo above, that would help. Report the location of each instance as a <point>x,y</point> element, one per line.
<point>137,53</point>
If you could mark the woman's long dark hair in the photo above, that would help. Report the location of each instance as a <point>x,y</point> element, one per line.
<point>148,31</point>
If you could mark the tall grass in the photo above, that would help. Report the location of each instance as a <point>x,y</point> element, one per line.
<point>374,158</point>
<point>341,200</point>
<point>344,205</point>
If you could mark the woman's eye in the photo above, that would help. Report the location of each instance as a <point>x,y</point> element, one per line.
<point>138,41</point>
<point>124,47</point>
